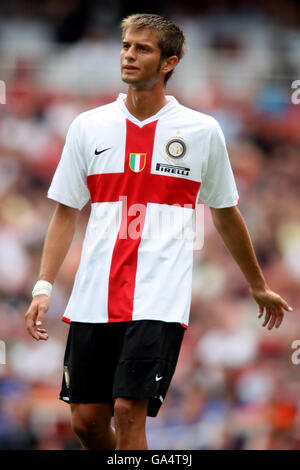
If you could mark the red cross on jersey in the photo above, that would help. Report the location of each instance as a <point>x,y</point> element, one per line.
<point>143,179</point>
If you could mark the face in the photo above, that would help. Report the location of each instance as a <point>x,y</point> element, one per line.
<point>140,58</point>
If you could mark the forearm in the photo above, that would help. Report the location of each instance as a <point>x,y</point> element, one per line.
<point>236,238</point>
<point>57,241</point>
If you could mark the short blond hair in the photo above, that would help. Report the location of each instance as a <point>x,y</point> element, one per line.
<point>171,38</point>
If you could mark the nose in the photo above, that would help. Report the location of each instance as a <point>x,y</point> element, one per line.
<point>130,53</point>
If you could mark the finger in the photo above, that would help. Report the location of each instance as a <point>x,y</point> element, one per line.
<point>41,330</point>
<point>260,311</point>
<point>286,306</point>
<point>33,333</point>
<point>43,336</point>
<point>40,333</point>
<point>273,319</point>
<point>29,319</point>
<point>280,317</point>
<point>40,315</point>
<point>267,316</point>
<point>278,321</point>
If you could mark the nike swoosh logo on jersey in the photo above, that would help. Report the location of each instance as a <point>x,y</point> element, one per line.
<point>97,152</point>
<point>158,378</point>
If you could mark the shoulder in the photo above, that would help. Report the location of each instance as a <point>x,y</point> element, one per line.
<point>204,120</point>
<point>207,125</point>
<point>101,112</point>
<point>94,113</point>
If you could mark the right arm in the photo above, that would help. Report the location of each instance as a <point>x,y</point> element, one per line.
<point>57,243</point>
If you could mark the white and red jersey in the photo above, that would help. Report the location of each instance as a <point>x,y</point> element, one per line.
<point>136,173</point>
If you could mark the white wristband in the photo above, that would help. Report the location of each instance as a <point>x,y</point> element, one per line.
<point>42,287</point>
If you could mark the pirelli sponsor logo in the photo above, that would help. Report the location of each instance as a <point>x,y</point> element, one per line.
<point>173,169</point>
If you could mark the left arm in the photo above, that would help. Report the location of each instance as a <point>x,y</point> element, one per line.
<point>234,233</point>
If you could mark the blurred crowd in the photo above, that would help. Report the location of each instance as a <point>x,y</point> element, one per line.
<point>236,385</point>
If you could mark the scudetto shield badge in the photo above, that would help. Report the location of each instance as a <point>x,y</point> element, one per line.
<point>137,161</point>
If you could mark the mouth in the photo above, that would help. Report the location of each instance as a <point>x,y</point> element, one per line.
<point>130,68</point>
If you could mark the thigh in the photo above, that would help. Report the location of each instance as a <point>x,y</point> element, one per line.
<point>147,361</point>
<point>89,364</point>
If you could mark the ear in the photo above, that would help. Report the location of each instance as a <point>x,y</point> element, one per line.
<point>169,64</point>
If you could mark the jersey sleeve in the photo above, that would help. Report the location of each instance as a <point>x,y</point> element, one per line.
<point>218,188</point>
<point>69,183</point>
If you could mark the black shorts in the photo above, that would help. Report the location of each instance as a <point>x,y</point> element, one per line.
<point>133,359</point>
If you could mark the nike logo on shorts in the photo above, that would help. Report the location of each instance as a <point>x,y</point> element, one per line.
<point>158,378</point>
<point>97,152</point>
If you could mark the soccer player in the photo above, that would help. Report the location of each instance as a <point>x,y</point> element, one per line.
<point>139,158</point>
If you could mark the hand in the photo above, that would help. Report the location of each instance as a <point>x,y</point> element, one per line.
<point>35,315</point>
<point>274,305</point>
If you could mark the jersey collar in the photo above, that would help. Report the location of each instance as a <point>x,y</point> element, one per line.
<point>165,109</point>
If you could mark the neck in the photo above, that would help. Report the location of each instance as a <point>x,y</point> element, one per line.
<point>143,104</point>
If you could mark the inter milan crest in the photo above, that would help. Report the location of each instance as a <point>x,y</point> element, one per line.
<point>176,149</point>
<point>137,161</point>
